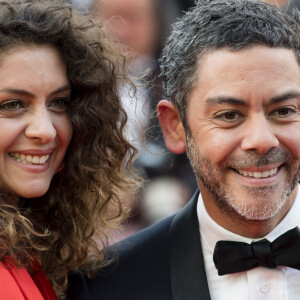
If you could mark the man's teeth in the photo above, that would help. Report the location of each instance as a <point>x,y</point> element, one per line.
<point>29,159</point>
<point>258,174</point>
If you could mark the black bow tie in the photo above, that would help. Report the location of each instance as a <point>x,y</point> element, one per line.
<point>233,257</point>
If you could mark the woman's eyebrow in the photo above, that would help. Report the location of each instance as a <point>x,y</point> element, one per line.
<point>61,89</point>
<point>17,92</point>
<point>29,94</point>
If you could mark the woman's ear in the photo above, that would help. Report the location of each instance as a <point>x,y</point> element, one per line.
<point>172,127</point>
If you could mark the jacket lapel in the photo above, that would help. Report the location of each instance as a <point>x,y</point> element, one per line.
<point>188,277</point>
<point>78,288</point>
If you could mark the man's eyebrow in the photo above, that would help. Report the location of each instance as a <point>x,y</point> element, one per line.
<point>235,101</point>
<point>285,96</point>
<point>22,92</point>
<point>225,100</point>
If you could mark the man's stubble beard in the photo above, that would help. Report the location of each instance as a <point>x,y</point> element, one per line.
<point>214,182</point>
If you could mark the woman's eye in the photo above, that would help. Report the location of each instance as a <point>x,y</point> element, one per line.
<point>11,105</point>
<point>59,104</point>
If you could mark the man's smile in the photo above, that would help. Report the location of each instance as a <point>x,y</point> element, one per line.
<point>257,174</point>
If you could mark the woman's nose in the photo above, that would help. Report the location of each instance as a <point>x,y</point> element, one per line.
<point>40,126</point>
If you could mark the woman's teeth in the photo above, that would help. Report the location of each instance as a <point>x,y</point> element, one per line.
<point>29,159</point>
<point>258,174</point>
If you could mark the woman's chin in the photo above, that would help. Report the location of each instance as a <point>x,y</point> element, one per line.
<point>31,192</point>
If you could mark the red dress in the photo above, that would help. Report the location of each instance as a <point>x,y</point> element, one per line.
<point>18,284</point>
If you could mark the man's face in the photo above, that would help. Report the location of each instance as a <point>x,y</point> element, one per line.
<point>243,139</point>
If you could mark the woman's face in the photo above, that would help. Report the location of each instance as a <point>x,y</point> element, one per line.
<point>35,130</point>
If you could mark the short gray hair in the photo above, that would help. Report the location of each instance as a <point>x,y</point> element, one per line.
<point>216,24</point>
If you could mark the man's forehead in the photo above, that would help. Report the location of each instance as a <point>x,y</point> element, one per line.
<point>224,52</point>
<point>226,76</point>
<point>256,58</point>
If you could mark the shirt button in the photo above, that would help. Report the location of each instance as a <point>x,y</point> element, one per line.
<point>265,288</point>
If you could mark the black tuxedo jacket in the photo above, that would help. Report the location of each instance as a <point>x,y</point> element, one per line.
<point>162,262</point>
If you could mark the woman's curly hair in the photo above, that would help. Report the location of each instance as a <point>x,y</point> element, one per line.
<point>63,228</point>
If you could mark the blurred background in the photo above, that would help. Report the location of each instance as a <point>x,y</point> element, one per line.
<point>142,27</point>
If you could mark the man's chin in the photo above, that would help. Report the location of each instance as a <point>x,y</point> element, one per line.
<point>258,203</point>
<point>259,208</point>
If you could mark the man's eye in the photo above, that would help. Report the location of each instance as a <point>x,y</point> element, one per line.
<point>11,105</point>
<point>284,111</point>
<point>229,116</point>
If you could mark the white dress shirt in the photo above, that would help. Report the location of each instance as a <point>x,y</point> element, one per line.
<point>258,283</point>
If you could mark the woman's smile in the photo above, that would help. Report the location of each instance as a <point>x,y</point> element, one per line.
<point>29,159</point>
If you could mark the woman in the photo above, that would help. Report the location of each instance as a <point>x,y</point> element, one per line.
<point>63,157</point>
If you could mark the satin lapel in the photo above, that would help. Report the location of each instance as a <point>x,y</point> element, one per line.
<point>188,277</point>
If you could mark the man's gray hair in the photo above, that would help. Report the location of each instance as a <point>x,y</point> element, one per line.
<point>216,24</point>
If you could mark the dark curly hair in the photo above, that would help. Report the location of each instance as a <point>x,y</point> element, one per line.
<point>63,228</point>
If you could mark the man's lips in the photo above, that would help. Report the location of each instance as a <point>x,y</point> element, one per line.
<point>258,172</point>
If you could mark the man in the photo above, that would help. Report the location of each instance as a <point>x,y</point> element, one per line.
<point>232,82</point>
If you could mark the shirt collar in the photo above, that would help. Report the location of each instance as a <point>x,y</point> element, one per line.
<point>211,232</point>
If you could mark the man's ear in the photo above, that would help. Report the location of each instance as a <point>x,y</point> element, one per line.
<point>172,126</point>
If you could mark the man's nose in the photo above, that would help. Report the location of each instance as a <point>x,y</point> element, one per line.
<point>259,135</point>
<point>40,126</point>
